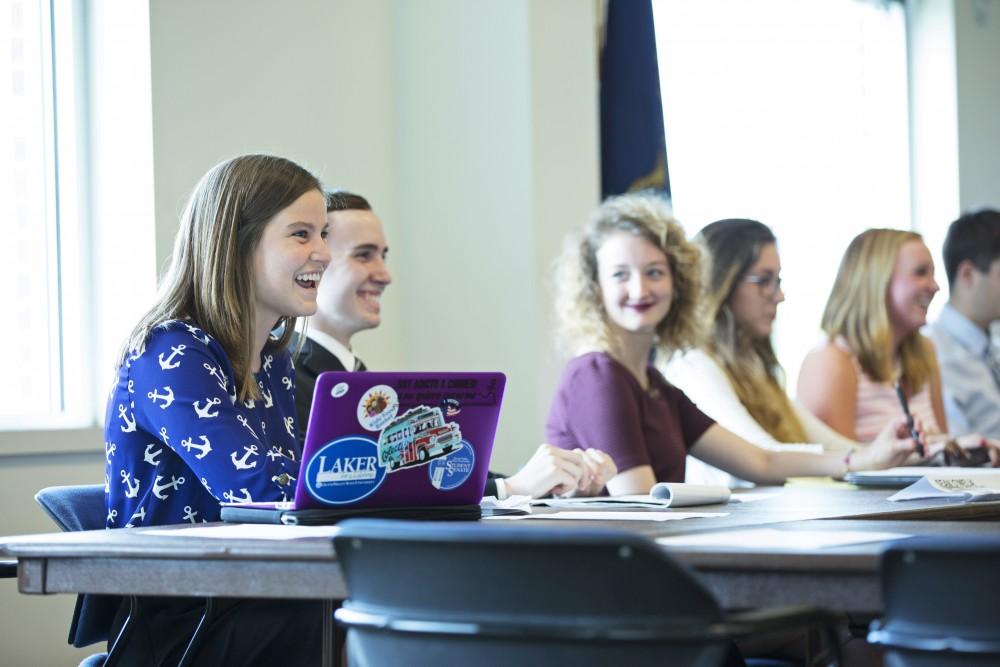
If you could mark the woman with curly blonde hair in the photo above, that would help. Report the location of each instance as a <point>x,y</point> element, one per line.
<point>630,286</point>
<point>872,319</point>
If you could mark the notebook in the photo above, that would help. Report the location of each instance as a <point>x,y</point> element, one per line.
<point>393,444</point>
<point>907,475</point>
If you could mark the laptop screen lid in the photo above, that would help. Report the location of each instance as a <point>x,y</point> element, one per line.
<point>398,439</point>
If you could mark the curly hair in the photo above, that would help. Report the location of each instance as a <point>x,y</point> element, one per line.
<point>582,321</point>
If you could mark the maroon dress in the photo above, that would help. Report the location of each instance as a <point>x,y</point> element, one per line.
<point>600,404</point>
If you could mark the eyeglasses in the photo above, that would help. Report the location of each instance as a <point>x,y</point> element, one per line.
<point>768,285</point>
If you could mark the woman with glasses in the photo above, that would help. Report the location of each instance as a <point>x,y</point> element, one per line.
<point>734,375</point>
<point>630,286</point>
<point>875,357</point>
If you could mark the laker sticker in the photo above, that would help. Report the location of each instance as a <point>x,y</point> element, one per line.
<point>452,471</point>
<point>344,471</point>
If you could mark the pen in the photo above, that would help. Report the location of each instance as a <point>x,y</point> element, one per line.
<point>909,420</point>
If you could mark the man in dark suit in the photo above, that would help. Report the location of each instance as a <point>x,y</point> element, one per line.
<point>349,301</point>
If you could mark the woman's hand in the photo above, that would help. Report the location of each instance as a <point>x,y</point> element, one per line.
<point>892,447</point>
<point>599,468</point>
<point>549,470</point>
<point>967,450</point>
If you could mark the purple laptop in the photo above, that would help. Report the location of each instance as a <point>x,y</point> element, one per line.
<point>379,439</point>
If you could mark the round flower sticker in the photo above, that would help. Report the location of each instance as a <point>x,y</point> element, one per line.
<point>377,407</point>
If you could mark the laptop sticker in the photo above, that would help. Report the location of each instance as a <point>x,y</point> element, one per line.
<point>378,406</point>
<point>345,470</point>
<point>417,437</point>
<point>451,406</point>
<point>451,472</point>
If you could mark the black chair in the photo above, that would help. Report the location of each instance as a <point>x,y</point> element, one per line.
<point>83,508</point>
<point>8,569</point>
<point>435,594</point>
<point>940,603</point>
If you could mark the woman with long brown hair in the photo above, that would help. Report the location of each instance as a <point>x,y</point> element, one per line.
<point>734,375</point>
<point>202,410</point>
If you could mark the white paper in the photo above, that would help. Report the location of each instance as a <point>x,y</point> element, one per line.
<point>637,501</point>
<point>520,503</point>
<point>688,495</point>
<point>248,531</point>
<point>771,538</point>
<point>976,487</point>
<point>612,516</point>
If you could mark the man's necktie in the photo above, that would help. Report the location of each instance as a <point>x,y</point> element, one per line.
<point>359,365</point>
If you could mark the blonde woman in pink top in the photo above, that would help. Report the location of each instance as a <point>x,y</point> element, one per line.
<point>873,318</point>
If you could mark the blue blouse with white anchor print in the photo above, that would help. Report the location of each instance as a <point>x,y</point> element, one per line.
<point>178,442</point>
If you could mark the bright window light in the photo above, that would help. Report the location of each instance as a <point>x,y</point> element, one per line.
<point>795,114</point>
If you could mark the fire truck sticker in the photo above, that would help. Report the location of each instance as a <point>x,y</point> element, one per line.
<point>417,437</point>
<point>344,471</point>
<point>377,407</point>
<point>452,471</point>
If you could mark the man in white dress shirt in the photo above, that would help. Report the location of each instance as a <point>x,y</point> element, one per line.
<point>970,368</point>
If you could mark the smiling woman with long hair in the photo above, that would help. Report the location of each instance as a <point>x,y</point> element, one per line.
<point>734,375</point>
<point>202,409</point>
<point>630,286</point>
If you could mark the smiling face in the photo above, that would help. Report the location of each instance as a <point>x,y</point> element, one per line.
<point>754,304</point>
<point>635,281</point>
<point>351,292</point>
<point>290,259</point>
<point>911,288</point>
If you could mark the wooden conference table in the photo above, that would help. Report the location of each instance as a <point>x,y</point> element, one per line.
<point>171,561</point>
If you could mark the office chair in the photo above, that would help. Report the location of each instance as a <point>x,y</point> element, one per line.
<point>434,593</point>
<point>940,603</point>
<point>82,508</point>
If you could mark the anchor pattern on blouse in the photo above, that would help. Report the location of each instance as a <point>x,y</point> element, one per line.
<point>203,449</point>
<point>167,397</point>
<point>240,463</point>
<point>169,363</point>
<point>172,484</point>
<point>205,412</point>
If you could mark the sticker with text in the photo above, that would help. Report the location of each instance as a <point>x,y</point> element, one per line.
<point>452,471</point>
<point>378,406</point>
<point>344,471</point>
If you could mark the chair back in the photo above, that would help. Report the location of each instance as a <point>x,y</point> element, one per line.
<point>434,593</point>
<point>940,603</point>
<point>82,508</point>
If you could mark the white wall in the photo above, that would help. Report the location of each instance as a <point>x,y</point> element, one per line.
<point>954,90</point>
<point>433,111</point>
<point>977,56</point>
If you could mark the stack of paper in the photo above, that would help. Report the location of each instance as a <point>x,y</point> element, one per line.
<point>970,487</point>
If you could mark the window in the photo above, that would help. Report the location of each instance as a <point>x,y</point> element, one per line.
<point>795,114</point>
<point>63,203</point>
<point>30,256</point>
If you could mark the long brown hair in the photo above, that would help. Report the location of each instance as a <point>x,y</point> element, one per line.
<point>733,245</point>
<point>857,310</point>
<point>210,279</point>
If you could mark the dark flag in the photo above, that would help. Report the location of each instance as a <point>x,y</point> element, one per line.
<point>633,151</point>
